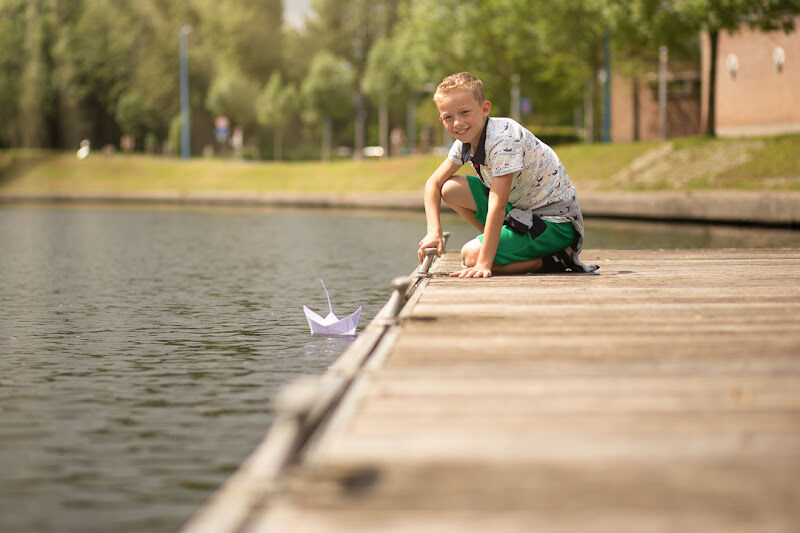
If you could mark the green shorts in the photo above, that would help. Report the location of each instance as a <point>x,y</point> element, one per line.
<point>514,247</point>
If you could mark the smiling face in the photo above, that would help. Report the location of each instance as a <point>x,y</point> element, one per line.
<point>462,115</point>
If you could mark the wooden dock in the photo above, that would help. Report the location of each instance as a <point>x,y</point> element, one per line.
<point>661,394</point>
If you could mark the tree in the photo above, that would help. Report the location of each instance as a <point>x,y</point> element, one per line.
<point>348,29</point>
<point>555,48</point>
<point>425,45</point>
<point>422,49</point>
<point>275,108</point>
<point>383,83</point>
<point>135,114</point>
<point>244,35</point>
<point>232,94</point>
<point>12,36</point>
<point>93,68</point>
<point>327,94</point>
<point>36,98</point>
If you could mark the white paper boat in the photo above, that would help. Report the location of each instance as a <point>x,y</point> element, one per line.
<point>331,325</point>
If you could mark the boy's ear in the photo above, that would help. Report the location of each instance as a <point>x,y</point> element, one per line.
<point>486,108</point>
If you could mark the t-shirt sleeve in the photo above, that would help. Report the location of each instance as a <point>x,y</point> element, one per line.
<point>455,152</point>
<point>506,155</point>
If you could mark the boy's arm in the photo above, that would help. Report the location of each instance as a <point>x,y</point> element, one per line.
<point>433,202</point>
<point>498,198</point>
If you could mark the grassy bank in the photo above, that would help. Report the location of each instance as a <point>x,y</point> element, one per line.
<point>695,163</point>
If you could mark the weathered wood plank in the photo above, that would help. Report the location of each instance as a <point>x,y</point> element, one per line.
<point>661,394</point>
<point>556,496</point>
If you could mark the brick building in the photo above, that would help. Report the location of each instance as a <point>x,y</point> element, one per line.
<point>758,82</point>
<point>634,105</point>
<point>758,91</point>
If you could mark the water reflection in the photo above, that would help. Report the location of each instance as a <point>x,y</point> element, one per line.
<point>327,346</point>
<point>655,235</point>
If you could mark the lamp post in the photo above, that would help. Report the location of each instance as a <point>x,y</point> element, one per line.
<point>663,56</point>
<point>184,87</point>
<point>607,87</point>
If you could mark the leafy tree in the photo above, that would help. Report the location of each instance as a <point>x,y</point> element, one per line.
<point>327,94</point>
<point>12,37</point>
<point>349,29</point>
<point>245,35</point>
<point>383,83</point>
<point>92,68</point>
<point>36,97</point>
<point>430,40</point>
<point>276,106</point>
<point>300,46</point>
<point>570,40</point>
<point>426,46</point>
<point>96,50</point>
<point>232,94</point>
<point>555,48</point>
<point>145,96</point>
<point>135,114</point>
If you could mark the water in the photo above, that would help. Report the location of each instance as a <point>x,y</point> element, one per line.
<point>140,349</point>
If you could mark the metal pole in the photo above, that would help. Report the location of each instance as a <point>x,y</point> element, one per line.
<point>426,263</point>
<point>588,116</point>
<point>184,83</point>
<point>607,88</point>
<point>397,300</point>
<point>663,55</point>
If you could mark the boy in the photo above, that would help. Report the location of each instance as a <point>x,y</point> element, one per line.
<point>522,199</point>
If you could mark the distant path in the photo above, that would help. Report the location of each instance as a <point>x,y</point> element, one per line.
<point>737,207</point>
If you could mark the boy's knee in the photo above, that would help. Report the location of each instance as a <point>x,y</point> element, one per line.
<point>470,251</point>
<point>452,190</point>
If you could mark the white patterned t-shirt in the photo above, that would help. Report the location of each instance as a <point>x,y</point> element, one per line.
<point>539,178</point>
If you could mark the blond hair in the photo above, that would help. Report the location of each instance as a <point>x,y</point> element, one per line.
<point>461,81</point>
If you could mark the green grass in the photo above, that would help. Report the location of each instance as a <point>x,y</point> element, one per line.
<point>594,164</point>
<point>776,163</point>
<point>64,173</point>
<point>771,163</point>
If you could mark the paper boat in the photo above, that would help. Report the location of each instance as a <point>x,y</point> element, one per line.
<point>331,325</point>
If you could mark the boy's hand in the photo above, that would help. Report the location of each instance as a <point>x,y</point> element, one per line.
<point>430,240</point>
<point>477,271</point>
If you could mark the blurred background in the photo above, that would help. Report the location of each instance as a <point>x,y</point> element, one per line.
<point>309,79</point>
<point>141,346</point>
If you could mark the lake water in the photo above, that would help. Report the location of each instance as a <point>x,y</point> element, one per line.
<point>141,348</point>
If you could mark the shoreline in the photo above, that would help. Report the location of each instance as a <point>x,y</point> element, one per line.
<point>746,208</point>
